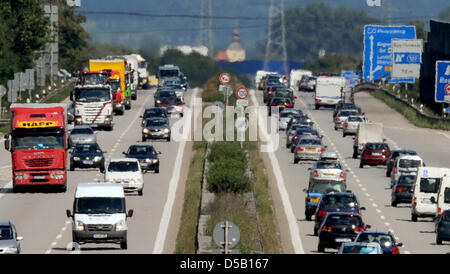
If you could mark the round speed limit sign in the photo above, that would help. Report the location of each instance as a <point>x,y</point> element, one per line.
<point>225,78</point>
<point>242,93</point>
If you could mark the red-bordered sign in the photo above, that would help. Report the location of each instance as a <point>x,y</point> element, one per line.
<point>224,78</point>
<point>242,93</point>
<point>447,89</point>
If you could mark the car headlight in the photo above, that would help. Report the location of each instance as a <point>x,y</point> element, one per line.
<point>79,226</point>
<point>11,250</point>
<point>119,105</point>
<point>145,130</point>
<point>78,119</point>
<point>155,161</point>
<point>19,177</point>
<point>148,160</point>
<point>76,158</point>
<point>111,180</point>
<point>121,225</point>
<point>166,130</point>
<point>158,101</point>
<point>137,180</point>
<point>97,158</point>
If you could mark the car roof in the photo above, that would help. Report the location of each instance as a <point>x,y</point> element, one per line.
<point>409,157</point>
<point>5,223</point>
<point>99,190</point>
<point>123,160</point>
<point>329,155</point>
<point>404,150</point>
<point>140,146</point>
<point>344,213</point>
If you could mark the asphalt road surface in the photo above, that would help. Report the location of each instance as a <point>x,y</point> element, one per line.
<point>369,184</point>
<point>41,219</point>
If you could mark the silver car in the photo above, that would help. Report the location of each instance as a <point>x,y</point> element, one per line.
<point>292,132</point>
<point>327,170</point>
<point>360,248</point>
<point>351,125</point>
<point>341,117</point>
<point>156,128</point>
<point>308,148</point>
<point>9,241</point>
<point>82,134</point>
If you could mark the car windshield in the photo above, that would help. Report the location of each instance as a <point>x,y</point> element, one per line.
<point>156,122</point>
<point>447,195</point>
<point>345,220</point>
<point>375,146</point>
<point>171,100</point>
<point>327,187</point>
<point>338,201</point>
<point>382,239</point>
<point>99,205</point>
<point>141,150</point>
<point>355,119</point>
<point>124,166</point>
<point>281,101</point>
<point>328,165</point>
<point>284,93</point>
<point>310,142</point>
<point>405,163</point>
<point>357,249</point>
<point>166,94</point>
<point>155,113</point>
<point>87,148</point>
<point>347,113</point>
<point>81,131</point>
<point>288,114</point>
<point>406,179</point>
<point>429,185</point>
<point>92,95</point>
<point>38,142</point>
<point>6,233</point>
<point>169,73</point>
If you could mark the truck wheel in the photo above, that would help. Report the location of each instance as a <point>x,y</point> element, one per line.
<point>316,106</point>
<point>102,169</point>
<point>308,217</point>
<point>63,188</point>
<point>168,139</point>
<point>141,192</point>
<point>72,168</point>
<point>343,134</point>
<point>143,139</point>
<point>157,170</point>
<point>438,240</point>
<point>295,161</point>
<point>414,217</point>
<point>16,189</point>
<point>123,244</point>
<point>394,203</point>
<point>320,248</point>
<point>355,154</point>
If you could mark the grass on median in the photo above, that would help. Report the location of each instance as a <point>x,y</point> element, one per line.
<point>409,113</point>
<point>186,242</point>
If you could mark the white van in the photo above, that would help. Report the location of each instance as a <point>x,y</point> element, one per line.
<point>99,214</point>
<point>428,182</point>
<point>443,196</point>
<point>127,172</point>
<point>405,165</point>
<point>329,91</point>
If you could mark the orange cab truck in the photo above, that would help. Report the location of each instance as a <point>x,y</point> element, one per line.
<point>118,102</point>
<point>37,143</point>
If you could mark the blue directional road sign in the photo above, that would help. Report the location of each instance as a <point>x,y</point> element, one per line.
<point>378,52</point>
<point>442,86</point>
<point>353,77</point>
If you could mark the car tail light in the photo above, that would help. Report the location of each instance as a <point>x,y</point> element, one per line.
<point>316,174</point>
<point>321,213</point>
<point>318,100</point>
<point>395,250</point>
<point>399,189</point>
<point>273,104</point>
<point>327,228</point>
<point>300,149</point>
<point>439,212</point>
<point>342,175</point>
<point>441,229</point>
<point>279,118</point>
<point>289,105</point>
<point>415,201</point>
<point>359,229</point>
<point>338,119</point>
<point>346,124</point>
<point>321,149</point>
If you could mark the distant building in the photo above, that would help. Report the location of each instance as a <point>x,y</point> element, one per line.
<point>222,56</point>
<point>235,51</point>
<point>186,50</point>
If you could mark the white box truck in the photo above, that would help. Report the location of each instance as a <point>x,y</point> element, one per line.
<point>367,132</point>
<point>329,91</point>
<point>296,75</point>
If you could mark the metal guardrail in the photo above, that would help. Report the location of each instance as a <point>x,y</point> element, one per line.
<point>375,87</point>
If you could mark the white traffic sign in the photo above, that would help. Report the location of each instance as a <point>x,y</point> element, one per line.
<point>224,78</point>
<point>242,93</point>
<point>242,103</point>
<point>406,57</point>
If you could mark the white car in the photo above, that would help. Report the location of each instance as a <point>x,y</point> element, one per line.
<point>405,165</point>
<point>128,172</point>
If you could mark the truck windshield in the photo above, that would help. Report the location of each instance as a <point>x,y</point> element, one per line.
<point>447,195</point>
<point>99,205</point>
<point>168,73</point>
<point>92,95</point>
<point>143,65</point>
<point>94,79</point>
<point>6,233</point>
<point>43,141</point>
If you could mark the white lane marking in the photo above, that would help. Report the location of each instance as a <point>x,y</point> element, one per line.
<point>4,167</point>
<point>48,251</point>
<point>377,210</point>
<point>374,205</point>
<point>173,186</point>
<point>364,189</point>
<point>387,224</point>
<point>4,189</point>
<point>292,220</point>
<point>382,217</point>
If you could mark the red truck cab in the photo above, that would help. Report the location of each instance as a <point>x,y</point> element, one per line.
<point>118,102</point>
<point>38,145</point>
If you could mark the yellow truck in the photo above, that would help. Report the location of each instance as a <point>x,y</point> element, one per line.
<point>114,65</point>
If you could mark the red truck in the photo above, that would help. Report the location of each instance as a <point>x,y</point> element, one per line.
<point>37,143</point>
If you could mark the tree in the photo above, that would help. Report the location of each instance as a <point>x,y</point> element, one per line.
<point>445,15</point>
<point>420,29</point>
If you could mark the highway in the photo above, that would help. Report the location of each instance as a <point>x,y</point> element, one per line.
<point>41,219</point>
<point>369,184</point>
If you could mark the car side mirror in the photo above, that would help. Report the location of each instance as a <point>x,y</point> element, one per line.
<point>347,170</point>
<point>159,152</point>
<point>68,213</point>
<point>130,213</point>
<point>19,238</point>
<point>362,208</point>
<point>124,153</point>
<point>384,139</point>
<point>433,200</point>
<point>7,142</point>
<point>368,226</point>
<point>309,168</point>
<point>140,116</point>
<point>399,244</point>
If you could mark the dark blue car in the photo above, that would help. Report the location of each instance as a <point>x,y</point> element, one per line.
<point>316,190</point>
<point>87,156</point>
<point>385,239</point>
<point>146,155</point>
<point>443,227</point>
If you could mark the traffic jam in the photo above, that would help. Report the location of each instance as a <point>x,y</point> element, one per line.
<point>335,210</point>
<point>47,141</point>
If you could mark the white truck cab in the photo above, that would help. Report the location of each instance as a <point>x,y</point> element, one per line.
<point>99,214</point>
<point>127,172</point>
<point>428,182</point>
<point>329,91</point>
<point>443,196</point>
<point>405,165</point>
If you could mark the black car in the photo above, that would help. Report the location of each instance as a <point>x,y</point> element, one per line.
<point>343,105</point>
<point>403,190</point>
<point>163,94</point>
<point>339,227</point>
<point>146,155</point>
<point>394,155</point>
<point>87,156</point>
<point>154,112</point>
<point>156,128</point>
<point>385,239</point>
<point>270,92</point>
<point>443,227</point>
<point>335,202</point>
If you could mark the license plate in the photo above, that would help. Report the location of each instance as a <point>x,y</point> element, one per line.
<point>88,162</point>
<point>311,149</point>
<point>100,236</point>
<point>376,154</point>
<point>329,174</point>
<point>343,240</point>
<point>39,177</point>
<point>315,200</point>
